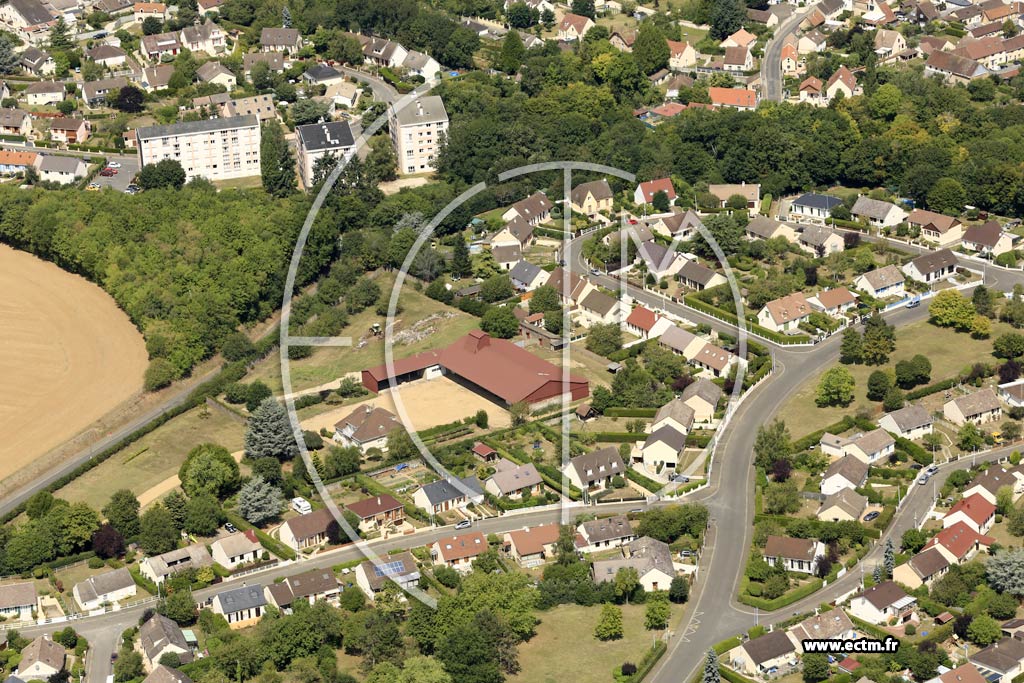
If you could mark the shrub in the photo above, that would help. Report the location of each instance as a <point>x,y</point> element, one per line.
<point>160,373</point>
<point>910,629</point>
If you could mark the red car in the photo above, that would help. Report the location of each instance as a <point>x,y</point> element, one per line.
<point>107,172</point>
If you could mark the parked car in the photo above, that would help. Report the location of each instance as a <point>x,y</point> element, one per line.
<point>113,164</point>
<point>871,515</point>
<point>923,479</point>
<point>913,303</point>
<point>682,479</point>
<point>916,466</point>
<point>107,172</point>
<point>686,553</point>
<point>230,528</point>
<point>595,271</point>
<point>93,187</point>
<point>932,469</point>
<point>464,524</point>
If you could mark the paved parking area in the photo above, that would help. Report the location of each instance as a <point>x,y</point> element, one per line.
<point>129,167</point>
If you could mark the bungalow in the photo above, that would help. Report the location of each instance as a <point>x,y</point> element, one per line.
<point>384,52</point>
<point>160,46</point>
<point>713,359</point>
<point>160,636</point>
<point>12,163</point>
<point>591,198</point>
<point>651,558</point>
<point>834,302</point>
<point>574,27</point>
<point>743,99</point>
<point>889,42</point>
<point>989,239</point>
<point>623,40</point>
<point>750,192</point>
<point>236,549</point>
<point>664,445</point>
<point>764,655</point>
<point>936,227</point>
<point>820,240</point>
<point>702,397</point>
<point>877,213</point>
<point>975,511</point>
<point>831,625</point>
<point>595,469</point>
<point>217,73</point>
<point>680,225</point>
<point>846,505</point>
<point>681,342</point>
<point>764,228</point>
<point>532,546</point>
<point>312,586</point>
<point>322,74</point>
<point>41,659</point>
<point>785,313</point>
<point>378,512</point>
<point>644,192</point>
<point>535,209</point>
<point>910,422</point>
<point>812,42</point>
<point>645,323</point>
<point>29,20</point>
<point>366,427</point>
<point>105,588</point>
<point>18,601</point>
<point>15,122</point>
<point>980,407</point>
<point>458,552</point>
<point>344,95</point>
<point>848,472</point>
<point>108,56</point>
<point>514,481</point>
<point>37,62</point>
<point>400,568</point>
<point>932,267</point>
<point>241,607</point>
<point>159,567</point>
<point>796,554</point>
<point>313,528</point>
<point>882,283</point>
<point>811,91</point>
<point>157,78</point>
<point>870,447</point>
<point>417,63</point>
<point>608,532</point>
<point>442,495</point>
<point>571,287</point>
<point>273,60</point>
<point>660,260</point>
<point>95,92</point>
<point>988,483</point>
<point>280,40</point>
<point>953,68</point>
<point>71,131</point>
<point>959,542</point>
<point>507,255</point>
<point>813,207</point>
<point>597,308</point>
<point>1000,662</point>
<point>144,10</point>
<point>43,93</point>
<point>880,603</point>
<point>741,38</point>
<point>923,569</point>
<point>699,277</point>
<point>61,169</point>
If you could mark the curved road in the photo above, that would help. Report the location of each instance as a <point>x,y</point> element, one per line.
<point>771,61</point>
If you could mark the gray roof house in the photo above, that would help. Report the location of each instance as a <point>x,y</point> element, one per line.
<point>240,606</point>
<point>165,674</point>
<point>159,636</point>
<point>441,495</point>
<point>111,586</point>
<point>607,532</point>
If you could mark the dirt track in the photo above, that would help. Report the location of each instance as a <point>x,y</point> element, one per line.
<point>68,356</point>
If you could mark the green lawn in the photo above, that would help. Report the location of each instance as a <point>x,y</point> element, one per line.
<point>154,457</point>
<point>329,363</point>
<point>948,351</point>
<point>565,643</point>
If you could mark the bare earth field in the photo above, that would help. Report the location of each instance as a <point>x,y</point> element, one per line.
<point>68,356</point>
<point>428,403</point>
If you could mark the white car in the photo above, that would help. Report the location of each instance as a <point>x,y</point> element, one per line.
<point>113,164</point>
<point>464,524</point>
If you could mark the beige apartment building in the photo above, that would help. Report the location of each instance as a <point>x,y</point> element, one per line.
<point>416,132</point>
<point>215,149</point>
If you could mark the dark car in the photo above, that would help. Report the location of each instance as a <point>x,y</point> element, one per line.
<point>230,528</point>
<point>915,466</point>
<point>871,515</point>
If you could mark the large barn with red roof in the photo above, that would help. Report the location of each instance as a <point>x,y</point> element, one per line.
<point>496,368</point>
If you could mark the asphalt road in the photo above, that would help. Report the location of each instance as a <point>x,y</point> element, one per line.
<point>381,90</point>
<point>771,61</point>
<point>123,178</point>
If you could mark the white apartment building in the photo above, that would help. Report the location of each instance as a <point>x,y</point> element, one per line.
<point>317,140</point>
<point>416,132</point>
<point>216,149</point>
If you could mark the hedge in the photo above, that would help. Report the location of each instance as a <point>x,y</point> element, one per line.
<point>868,628</point>
<point>732,676</point>
<point>726,645</point>
<point>272,544</point>
<point>693,302</point>
<point>142,581</point>
<point>553,478</point>
<point>781,601</point>
<point>548,232</point>
<point>643,481</point>
<point>619,437</point>
<point>944,385</point>
<point>919,454</point>
<point>699,439</point>
<point>848,422</point>
<point>650,658</point>
<point>616,411</point>
<point>816,525</point>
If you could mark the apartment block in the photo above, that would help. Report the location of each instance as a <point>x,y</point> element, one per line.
<point>416,132</point>
<point>216,149</point>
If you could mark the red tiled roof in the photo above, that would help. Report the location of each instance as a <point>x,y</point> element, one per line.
<point>482,449</point>
<point>733,97</point>
<point>959,539</point>
<point>641,317</point>
<point>652,187</point>
<point>976,507</point>
<point>461,547</point>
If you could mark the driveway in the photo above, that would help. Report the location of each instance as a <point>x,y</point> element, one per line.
<point>119,182</point>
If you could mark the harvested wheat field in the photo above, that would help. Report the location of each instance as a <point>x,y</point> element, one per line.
<point>68,356</point>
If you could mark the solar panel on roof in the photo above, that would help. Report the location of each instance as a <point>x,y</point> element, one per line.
<point>388,568</point>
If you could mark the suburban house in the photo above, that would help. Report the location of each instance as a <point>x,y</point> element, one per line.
<point>877,213</point>
<point>378,512</point>
<point>785,313</point>
<point>43,93</point>
<point>71,131</point>
<point>311,586</point>
<point>366,427</point>
<point>383,52</point>
<point>1013,393</point>
<point>813,207</point>
<point>206,37</point>
<point>518,232</point>
<point>959,543</point>
<point>842,81</point>
<point>932,267</point>
<point>889,43</point>
<point>820,240</point>
<point>273,60</point>
<point>15,122</point>
<point>846,505</point>
<point>751,192</point>
<point>144,10</point>
<point>936,227</point>
<point>458,552</point>
<point>37,62</point>
<point>322,73</point>
<point>880,603</point>
<point>980,407</point>
<point>106,588</point>
<point>280,40</point>
<point>315,141</point>
<point>514,481</point>
<point>760,656</point>
<point>661,262</point>
<point>591,198</point>
<point>308,530</point>
<point>681,55</point>
<point>764,228</point>
<point>18,601</point>
<point>796,554</point>
<point>644,192</point>
<point>343,95</point>
<point>833,302</point>
<point>507,256</point>
<point>699,277</point>
<point>165,674</point>
<point>400,568</point>
<point>535,209</point>
<point>61,169</point>
<point>651,559</point>
<point>869,447</point>
<point>812,91</point>
<point>887,281</point>
<point>910,422</point>
<point>741,38</point>
<point>531,546</point>
<point>159,636</point>
<point>12,163</point>
<point>597,308</point>
<point>645,323</point>
<point>237,549</point>
<point>595,469</point>
<point>608,532</point>
<point>988,483</point>
<point>953,68</point>
<point>923,569</point>
<point>574,27</point>
<point>215,72</point>
<point>663,446</point>
<point>158,567</point>
<point>702,397</point>
<point>160,46</point>
<point>108,56</point>
<point>158,78</point>
<point>29,20</point>
<point>1000,662</point>
<point>989,239</point>
<point>738,59</point>
<point>831,625</point>
<point>241,607</point>
<point>442,495</point>
<point>848,472</point>
<point>975,511</point>
<point>41,659</point>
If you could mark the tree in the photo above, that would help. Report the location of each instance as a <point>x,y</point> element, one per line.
<point>772,444</point>
<point>128,666</point>
<point>39,505</point>
<point>209,468</point>
<point>256,393</point>
<point>584,8</point>
<point>462,266</point>
<point>261,76</point>
<point>553,322</point>
<point>179,607</point>
<point>815,667</point>
<point>835,388</point>
<point>679,589</point>
<point>152,26</point>
<point>203,514</point>
<point>500,322</point>
<point>129,99</point>
<point>650,49</point>
<point>609,625</point>
<point>932,442</point>
<point>122,512</point>
<point>277,166</point>
<point>726,18</point>
<point>519,412</point>
<point>1009,345</point>
<point>286,17</point>
<point>496,288</point>
<point>309,111</point>
<point>913,540</point>
<point>604,339</point>
<point>851,350</point>
<point>107,542</point>
<point>157,532</point>
<point>160,373</point>
<point>781,498</point>
<point>177,505</point>
<point>1005,572</point>
<point>660,200</point>
<point>512,53</point>
<point>893,400</point>
<point>879,340</point>
<point>781,469</point>
<point>544,299</point>
<point>949,308</point>
<point>164,173</point>
<point>520,15</point>
<point>984,630</point>
<point>626,582</point>
<point>712,674</point>
<point>469,651</point>
<point>10,61</point>
<point>67,106</point>
<point>878,385</point>
<point>981,327</point>
<point>657,612</point>
<point>947,196</point>
<point>258,500</point>
<point>269,433</point>
<point>60,36</point>
<point>970,438</point>
<point>983,301</point>
<point>889,557</point>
